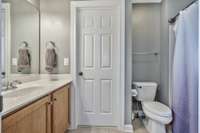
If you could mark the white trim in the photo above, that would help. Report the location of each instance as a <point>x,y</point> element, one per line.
<point>145,1</point>
<point>128,128</point>
<point>73,57</point>
<point>6,7</point>
<point>123,34</point>
<point>75,5</point>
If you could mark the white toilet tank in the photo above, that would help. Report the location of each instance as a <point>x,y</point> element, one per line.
<point>146,90</point>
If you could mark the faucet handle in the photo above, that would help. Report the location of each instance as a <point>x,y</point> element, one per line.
<point>17,81</point>
<point>14,83</point>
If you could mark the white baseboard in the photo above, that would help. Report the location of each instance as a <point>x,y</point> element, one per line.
<point>128,128</point>
<point>72,127</point>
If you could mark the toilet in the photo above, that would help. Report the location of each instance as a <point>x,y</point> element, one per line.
<point>157,115</point>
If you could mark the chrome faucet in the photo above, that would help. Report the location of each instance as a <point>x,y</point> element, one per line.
<point>12,84</point>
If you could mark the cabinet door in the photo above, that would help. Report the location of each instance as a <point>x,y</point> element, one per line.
<point>60,110</point>
<point>31,119</point>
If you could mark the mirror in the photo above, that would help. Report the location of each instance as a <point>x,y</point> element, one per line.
<point>20,37</point>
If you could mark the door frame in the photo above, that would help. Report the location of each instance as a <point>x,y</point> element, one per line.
<point>75,6</point>
<point>7,8</point>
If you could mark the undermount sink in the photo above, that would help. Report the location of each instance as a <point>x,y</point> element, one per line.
<point>21,92</point>
<point>53,79</point>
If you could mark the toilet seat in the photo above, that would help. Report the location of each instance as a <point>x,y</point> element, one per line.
<point>157,108</point>
<point>157,111</point>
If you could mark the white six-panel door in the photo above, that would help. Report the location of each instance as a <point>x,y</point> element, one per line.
<point>98,43</point>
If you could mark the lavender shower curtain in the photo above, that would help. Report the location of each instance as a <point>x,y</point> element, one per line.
<point>185,72</point>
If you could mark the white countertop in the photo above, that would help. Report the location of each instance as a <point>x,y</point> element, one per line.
<point>29,92</point>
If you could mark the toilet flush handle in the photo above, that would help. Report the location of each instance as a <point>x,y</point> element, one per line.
<point>139,87</point>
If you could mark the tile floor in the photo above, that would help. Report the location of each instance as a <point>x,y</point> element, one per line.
<point>137,126</point>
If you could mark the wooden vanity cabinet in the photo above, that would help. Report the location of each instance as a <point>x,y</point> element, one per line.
<point>47,115</point>
<point>31,119</point>
<point>60,110</point>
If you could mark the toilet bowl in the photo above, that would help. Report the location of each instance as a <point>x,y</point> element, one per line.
<point>157,116</point>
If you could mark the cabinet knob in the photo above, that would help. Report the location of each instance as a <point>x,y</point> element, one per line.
<point>50,103</point>
<point>54,99</point>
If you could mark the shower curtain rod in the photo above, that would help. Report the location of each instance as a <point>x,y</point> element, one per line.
<point>173,20</point>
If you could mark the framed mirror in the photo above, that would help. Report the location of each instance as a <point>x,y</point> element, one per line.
<point>20,37</point>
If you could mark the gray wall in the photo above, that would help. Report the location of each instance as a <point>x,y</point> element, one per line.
<point>146,38</point>
<point>2,46</point>
<point>128,67</point>
<point>55,26</point>
<point>169,9</point>
<point>142,34</point>
<point>174,6</point>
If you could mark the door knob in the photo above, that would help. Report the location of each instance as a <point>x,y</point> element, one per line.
<point>80,73</point>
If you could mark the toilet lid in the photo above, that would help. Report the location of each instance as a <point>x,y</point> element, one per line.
<point>157,109</point>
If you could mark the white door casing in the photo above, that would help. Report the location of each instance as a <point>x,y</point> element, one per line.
<point>98,43</point>
<point>118,64</point>
<point>6,37</point>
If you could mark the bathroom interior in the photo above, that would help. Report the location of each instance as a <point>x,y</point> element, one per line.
<point>52,82</point>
